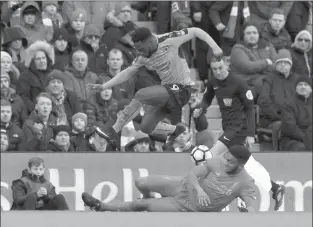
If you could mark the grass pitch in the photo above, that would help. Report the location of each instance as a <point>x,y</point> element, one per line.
<point>130,219</point>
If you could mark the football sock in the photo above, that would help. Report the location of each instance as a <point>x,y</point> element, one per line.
<point>136,205</point>
<point>128,114</point>
<point>274,186</point>
<point>163,129</point>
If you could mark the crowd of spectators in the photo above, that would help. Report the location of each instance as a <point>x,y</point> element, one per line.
<point>51,50</point>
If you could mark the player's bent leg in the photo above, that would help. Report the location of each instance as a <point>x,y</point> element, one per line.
<point>167,204</point>
<point>153,115</point>
<point>166,186</point>
<point>259,174</point>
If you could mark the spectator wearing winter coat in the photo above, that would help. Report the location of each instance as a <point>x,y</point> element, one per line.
<point>116,36</point>
<point>79,137</point>
<point>296,130</point>
<point>140,144</point>
<point>61,140</point>
<point>5,141</point>
<point>15,43</point>
<point>15,134</point>
<point>274,30</point>
<point>97,52</point>
<point>277,90</point>
<point>261,11</point>
<point>115,62</point>
<point>78,76</point>
<point>253,58</point>
<point>62,48</point>
<point>220,15</point>
<point>8,67</point>
<point>31,23</point>
<point>298,17</point>
<point>39,61</point>
<point>38,128</point>
<point>76,26</point>
<point>65,103</point>
<point>301,52</point>
<point>19,111</point>
<point>50,16</point>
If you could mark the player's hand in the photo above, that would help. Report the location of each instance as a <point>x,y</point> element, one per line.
<point>250,141</point>
<point>94,88</point>
<point>242,208</point>
<point>197,16</point>
<point>220,27</point>
<point>204,199</point>
<point>197,112</point>
<point>217,51</point>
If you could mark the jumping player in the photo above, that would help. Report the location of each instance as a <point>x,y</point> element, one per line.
<point>209,187</point>
<point>236,104</point>
<point>161,54</point>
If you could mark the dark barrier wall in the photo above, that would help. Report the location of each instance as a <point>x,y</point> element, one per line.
<point>110,177</point>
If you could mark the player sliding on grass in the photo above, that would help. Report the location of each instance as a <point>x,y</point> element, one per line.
<point>161,54</point>
<point>236,103</point>
<point>209,187</point>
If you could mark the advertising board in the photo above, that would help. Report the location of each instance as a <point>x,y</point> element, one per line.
<point>110,177</point>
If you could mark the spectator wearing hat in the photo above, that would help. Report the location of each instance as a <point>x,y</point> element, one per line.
<point>50,15</point>
<point>99,141</point>
<point>39,61</point>
<point>115,62</point>
<point>64,103</point>
<point>4,140</point>
<point>277,90</point>
<point>76,26</point>
<point>119,36</point>
<point>274,30</point>
<point>38,128</point>
<point>97,52</point>
<point>15,43</point>
<point>8,67</point>
<point>32,25</point>
<point>301,52</point>
<point>19,111</point>
<point>79,136</point>
<point>78,76</point>
<point>253,58</point>
<point>141,143</point>
<point>61,140</point>
<point>14,132</point>
<point>62,48</point>
<point>296,129</point>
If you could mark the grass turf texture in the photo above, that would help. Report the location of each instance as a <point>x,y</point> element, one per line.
<point>110,219</point>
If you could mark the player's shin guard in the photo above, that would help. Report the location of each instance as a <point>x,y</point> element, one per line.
<point>128,114</point>
<point>163,129</point>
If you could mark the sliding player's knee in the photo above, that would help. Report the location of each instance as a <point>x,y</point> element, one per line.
<point>141,183</point>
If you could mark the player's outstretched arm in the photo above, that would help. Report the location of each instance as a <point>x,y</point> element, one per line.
<point>121,77</point>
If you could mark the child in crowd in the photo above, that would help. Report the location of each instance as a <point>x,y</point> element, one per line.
<point>34,192</point>
<point>61,140</point>
<point>50,15</point>
<point>78,135</point>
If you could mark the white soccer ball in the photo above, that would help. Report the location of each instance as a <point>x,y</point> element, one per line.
<point>200,154</point>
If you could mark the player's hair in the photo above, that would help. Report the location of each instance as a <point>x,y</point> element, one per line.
<point>4,102</point>
<point>35,162</point>
<point>141,34</point>
<point>277,11</point>
<point>241,153</point>
<point>44,95</point>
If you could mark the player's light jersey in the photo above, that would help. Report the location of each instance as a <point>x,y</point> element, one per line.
<point>221,188</point>
<point>166,61</point>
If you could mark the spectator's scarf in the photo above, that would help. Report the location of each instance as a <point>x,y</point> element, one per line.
<point>60,109</point>
<point>231,26</point>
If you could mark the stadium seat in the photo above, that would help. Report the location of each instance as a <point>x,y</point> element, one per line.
<point>266,135</point>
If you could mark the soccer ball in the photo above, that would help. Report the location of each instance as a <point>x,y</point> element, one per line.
<point>200,153</point>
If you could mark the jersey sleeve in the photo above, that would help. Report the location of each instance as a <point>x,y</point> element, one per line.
<point>177,38</point>
<point>248,194</point>
<point>248,101</point>
<point>208,95</point>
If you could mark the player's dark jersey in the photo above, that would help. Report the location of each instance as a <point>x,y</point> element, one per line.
<point>235,100</point>
<point>220,187</point>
